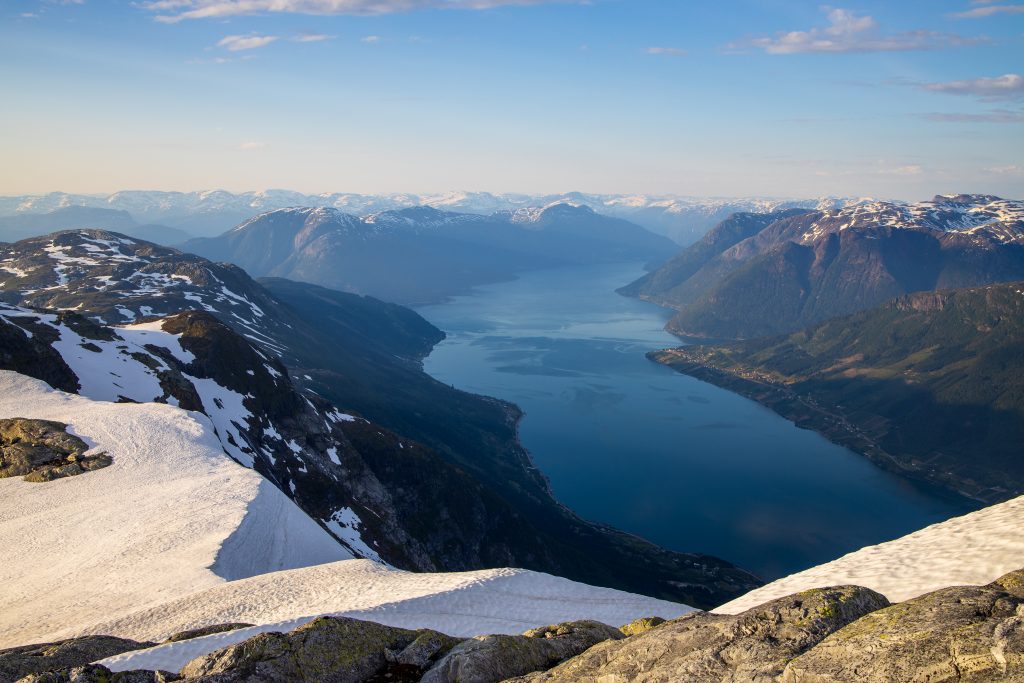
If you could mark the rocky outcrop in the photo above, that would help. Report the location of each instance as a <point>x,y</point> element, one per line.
<point>641,625</point>
<point>488,659</point>
<point>204,631</point>
<point>753,646</point>
<point>328,649</point>
<point>18,662</point>
<point>824,635</point>
<point>95,673</point>
<point>42,450</point>
<point>964,633</point>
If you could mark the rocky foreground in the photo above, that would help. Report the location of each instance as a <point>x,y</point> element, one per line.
<point>826,635</point>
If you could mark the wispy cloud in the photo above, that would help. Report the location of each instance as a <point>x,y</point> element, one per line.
<point>667,51</point>
<point>908,170</point>
<point>994,116</point>
<point>251,146</point>
<point>849,32</point>
<point>987,8</point>
<point>1005,170</point>
<point>172,11</point>
<point>1005,87</point>
<point>370,39</point>
<point>312,37</point>
<point>250,42</point>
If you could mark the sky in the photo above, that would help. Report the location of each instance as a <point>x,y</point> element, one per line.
<point>752,97</point>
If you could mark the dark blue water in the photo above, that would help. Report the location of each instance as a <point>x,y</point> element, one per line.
<point>634,444</point>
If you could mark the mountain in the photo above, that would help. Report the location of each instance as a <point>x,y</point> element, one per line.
<point>428,452</point>
<point>24,225</point>
<point>208,213</point>
<point>930,385</point>
<point>801,268</point>
<point>421,255</point>
<point>175,535</point>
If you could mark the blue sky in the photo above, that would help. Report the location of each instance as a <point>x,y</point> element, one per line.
<point>755,97</point>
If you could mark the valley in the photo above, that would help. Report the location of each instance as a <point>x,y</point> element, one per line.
<point>678,461</point>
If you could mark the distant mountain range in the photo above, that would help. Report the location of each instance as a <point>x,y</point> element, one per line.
<point>420,255</point>
<point>930,385</point>
<point>321,392</point>
<point>208,213</point>
<point>28,224</point>
<point>764,274</point>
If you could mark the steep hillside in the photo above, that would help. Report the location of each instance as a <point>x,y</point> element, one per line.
<point>362,356</point>
<point>805,268</point>
<point>930,385</point>
<point>419,255</point>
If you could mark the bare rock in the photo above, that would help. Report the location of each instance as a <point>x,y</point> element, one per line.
<point>754,646</point>
<point>488,659</point>
<point>42,450</point>
<point>963,633</point>
<point>641,625</point>
<point>326,650</point>
<point>18,662</point>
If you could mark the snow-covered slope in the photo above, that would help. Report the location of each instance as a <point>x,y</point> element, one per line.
<point>172,515</point>
<point>460,604</point>
<point>175,535</point>
<point>970,550</point>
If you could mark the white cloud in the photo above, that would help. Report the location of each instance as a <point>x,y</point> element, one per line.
<point>311,37</point>
<point>370,39</point>
<point>1007,86</point>
<point>910,169</point>
<point>250,146</point>
<point>172,11</point>
<point>987,9</point>
<point>848,32</point>
<point>993,116</point>
<point>251,42</point>
<point>1005,170</point>
<point>667,51</point>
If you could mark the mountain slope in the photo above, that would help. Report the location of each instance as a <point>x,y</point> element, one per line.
<point>930,385</point>
<point>419,255</point>
<point>805,268</point>
<point>174,533</point>
<point>172,514</point>
<point>362,356</point>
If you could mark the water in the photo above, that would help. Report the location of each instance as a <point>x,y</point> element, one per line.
<point>637,445</point>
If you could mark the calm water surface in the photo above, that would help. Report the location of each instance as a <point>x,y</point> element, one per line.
<point>634,444</point>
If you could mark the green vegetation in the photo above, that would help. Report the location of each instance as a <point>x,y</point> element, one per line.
<point>931,384</point>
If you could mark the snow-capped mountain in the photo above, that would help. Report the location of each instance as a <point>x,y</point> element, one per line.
<point>286,372</point>
<point>989,218</point>
<point>421,254</point>
<point>764,274</point>
<point>683,219</point>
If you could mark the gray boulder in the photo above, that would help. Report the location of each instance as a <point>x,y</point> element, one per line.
<point>18,662</point>
<point>754,646</point>
<point>488,659</point>
<point>965,633</point>
<point>326,650</point>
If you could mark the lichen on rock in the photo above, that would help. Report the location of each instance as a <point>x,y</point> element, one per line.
<point>43,450</point>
